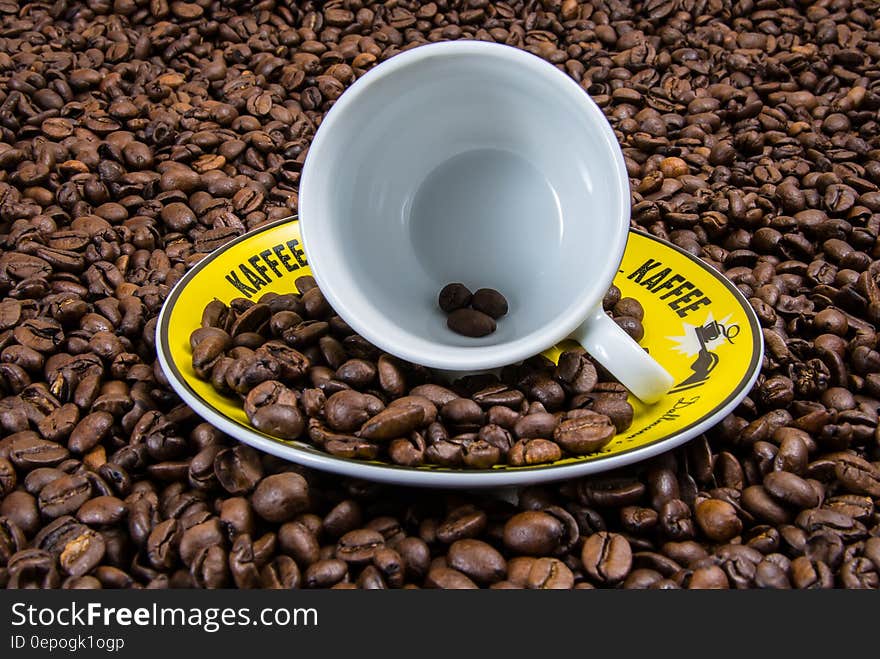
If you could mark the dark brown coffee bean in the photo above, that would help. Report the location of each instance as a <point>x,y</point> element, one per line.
<point>632,326</point>
<point>791,489</point>
<point>28,451</point>
<point>607,557</point>
<point>32,568</point>
<point>238,470</point>
<point>325,573</point>
<point>809,574</point>
<point>759,503</point>
<point>463,522</point>
<point>278,498</point>
<point>64,495</point>
<point>470,322</point>
<point>550,574</point>
<point>162,544</point>
<point>534,533</point>
<point>718,520</point>
<point>8,477</point>
<point>393,422</point>
<point>675,520</point>
<point>631,307</point>
<point>273,408</point>
<point>478,560</point>
<point>102,511</point>
<point>454,296</point>
<point>710,577</point>
<point>199,537</point>
<point>490,302</point>
<point>359,546</point>
<point>533,451</point>
<point>90,431</point>
<point>299,542</point>
<point>348,410</point>
<point>435,393</point>
<point>282,573</point>
<point>576,371</point>
<point>587,433</point>
<point>12,539</point>
<point>21,508</point>
<point>448,579</point>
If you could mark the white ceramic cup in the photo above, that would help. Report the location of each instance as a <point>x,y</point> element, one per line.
<point>477,163</point>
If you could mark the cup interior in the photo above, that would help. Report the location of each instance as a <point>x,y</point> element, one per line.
<point>473,163</point>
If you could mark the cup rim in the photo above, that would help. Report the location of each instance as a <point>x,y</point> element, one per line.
<point>458,358</point>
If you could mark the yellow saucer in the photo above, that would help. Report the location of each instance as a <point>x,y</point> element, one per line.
<point>697,325</point>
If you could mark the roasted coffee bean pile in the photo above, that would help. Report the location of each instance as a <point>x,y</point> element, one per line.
<point>302,373</point>
<point>136,136</point>
<point>472,314</point>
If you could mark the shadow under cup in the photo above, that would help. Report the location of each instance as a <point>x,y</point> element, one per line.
<point>474,163</point>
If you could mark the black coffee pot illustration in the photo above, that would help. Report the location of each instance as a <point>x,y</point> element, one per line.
<point>706,360</point>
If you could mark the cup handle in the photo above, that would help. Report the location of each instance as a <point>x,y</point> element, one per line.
<point>624,358</point>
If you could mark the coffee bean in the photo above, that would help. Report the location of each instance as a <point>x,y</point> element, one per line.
<point>710,577</point>
<point>533,533</point>
<point>490,302</point>
<point>273,408</point>
<point>238,469</point>
<point>393,422</point>
<point>448,579</point>
<point>28,451</point>
<point>718,520</point>
<point>194,539</point>
<point>359,546</point>
<point>632,326</point>
<point>102,511</point>
<point>83,553</point>
<point>463,522</point>
<point>791,489</point>
<point>478,560</point>
<point>576,371</point>
<point>759,503</point>
<point>21,508</point>
<point>8,477</point>
<point>607,557</point>
<point>587,433</point>
<point>279,497</point>
<point>630,307</point>
<point>533,451</point>
<point>454,296</point>
<point>282,573</point>
<point>470,322</point>
<point>550,574</point>
<point>325,573</point>
<point>348,410</point>
<point>299,542</point>
<point>64,495</point>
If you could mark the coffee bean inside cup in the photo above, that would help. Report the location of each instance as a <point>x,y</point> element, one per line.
<point>470,322</point>
<point>454,296</point>
<point>474,314</point>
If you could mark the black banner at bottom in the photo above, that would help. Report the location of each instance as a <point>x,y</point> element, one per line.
<point>160,624</point>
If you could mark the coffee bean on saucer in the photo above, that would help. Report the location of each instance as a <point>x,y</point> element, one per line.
<point>629,306</point>
<point>632,326</point>
<point>454,296</point>
<point>470,322</point>
<point>490,302</point>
